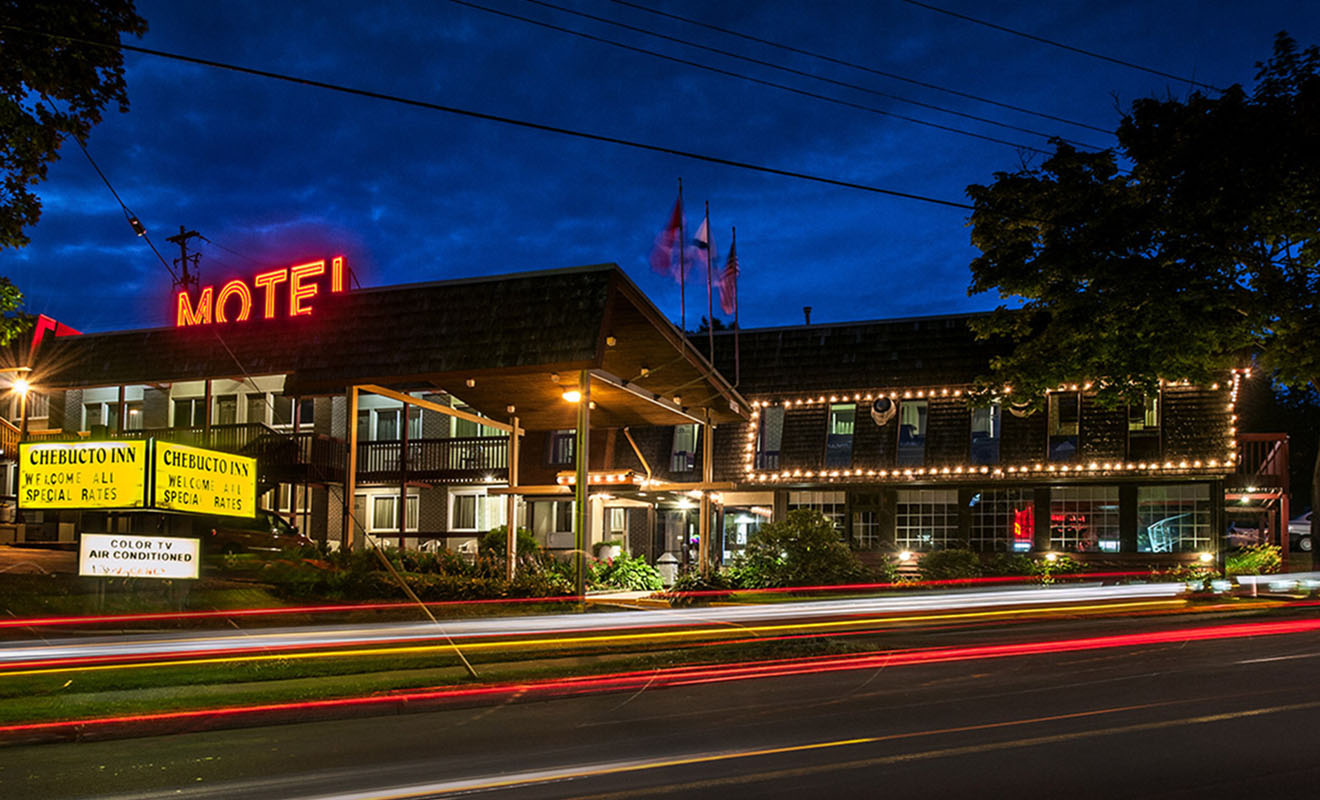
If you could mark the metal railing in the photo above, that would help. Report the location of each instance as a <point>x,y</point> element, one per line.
<point>434,458</point>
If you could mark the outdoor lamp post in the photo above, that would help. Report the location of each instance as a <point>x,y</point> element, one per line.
<point>22,387</point>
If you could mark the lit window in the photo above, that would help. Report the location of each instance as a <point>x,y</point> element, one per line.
<point>1144,429</point>
<point>1084,518</point>
<point>385,511</point>
<point>562,446</point>
<point>912,433</point>
<point>683,454</point>
<point>1173,519</point>
<point>1064,413</point>
<point>839,441</point>
<point>926,519</point>
<point>832,504</point>
<point>1002,520</point>
<point>985,434</point>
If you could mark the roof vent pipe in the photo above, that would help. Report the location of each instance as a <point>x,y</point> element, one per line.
<point>806,312</point>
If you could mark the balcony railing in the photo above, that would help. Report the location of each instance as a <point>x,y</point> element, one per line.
<point>434,459</point>
<point>1262,459</point>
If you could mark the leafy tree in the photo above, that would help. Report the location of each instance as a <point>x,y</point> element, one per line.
<point>1193,241</point>
<point>802,550</point>
<point>53,88</point>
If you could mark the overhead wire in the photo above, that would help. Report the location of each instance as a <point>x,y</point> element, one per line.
<point>750,79</point>
<point>139,228</point>
<point>802,73</point>
<point>1041,39</point>
<point>862,67</point>
<point>537,126</point>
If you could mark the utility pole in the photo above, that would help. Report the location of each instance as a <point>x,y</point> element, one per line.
<point>185,280</point>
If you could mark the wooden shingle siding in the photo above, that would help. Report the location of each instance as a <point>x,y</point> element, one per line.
<point>1103,432</point>
<point>1195,423</point>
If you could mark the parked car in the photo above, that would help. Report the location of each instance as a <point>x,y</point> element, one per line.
<point>267,532</point>
<point>1240,535</point>
<point>1299,533</point>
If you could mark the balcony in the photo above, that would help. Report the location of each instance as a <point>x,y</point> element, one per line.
<point>464,459</point>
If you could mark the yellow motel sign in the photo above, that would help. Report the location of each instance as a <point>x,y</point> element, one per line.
<point>82,474</point>
<point>203,481</point>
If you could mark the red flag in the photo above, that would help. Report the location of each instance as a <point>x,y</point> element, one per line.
<point>729,281</point>
<point>667,241</point>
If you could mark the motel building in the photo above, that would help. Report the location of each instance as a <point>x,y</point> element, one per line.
<point>423,415</point>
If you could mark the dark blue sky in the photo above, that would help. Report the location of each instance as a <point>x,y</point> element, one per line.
<point>281,173</point>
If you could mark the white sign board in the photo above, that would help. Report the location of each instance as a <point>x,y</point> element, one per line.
<point>131,555</point>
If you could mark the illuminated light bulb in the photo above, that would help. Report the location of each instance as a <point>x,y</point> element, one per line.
<point>1206,558</point>
<point>1051,557</point>
<point>904,555</point>
<point>572,396</point>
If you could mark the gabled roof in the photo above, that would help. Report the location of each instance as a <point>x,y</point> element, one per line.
<point>918,352</point>
<point>506,335</point>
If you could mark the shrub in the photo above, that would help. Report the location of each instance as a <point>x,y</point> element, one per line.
<point>496,543</point>
<point>720,582</point>
<point>955,563</point>
<point>1256,559</point>
<point>630,573</point>
<point>1008,564</point>
<point>802,550</point>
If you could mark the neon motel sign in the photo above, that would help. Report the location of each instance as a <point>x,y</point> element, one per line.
<point>287,291</point>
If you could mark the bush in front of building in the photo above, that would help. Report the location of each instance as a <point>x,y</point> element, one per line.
<point>1256,559</point>
<point>626,573</point>
<point>691,588</point>
<point>803,549</point>
<point>495,543</point>
<point>950,564</point>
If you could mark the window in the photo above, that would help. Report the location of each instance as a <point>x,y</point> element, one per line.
<point>769,434</point>
<point>133,416</point>
<point>683,454</point>
<point>740,524</point>
<point>1002,520</point>
<point>866,530</point>
<point>285,495</point>
<point>226,409</point>
<point>985,434</point>
<point>257,407</point>
<point>385,513</point>
<point>1144,429</point>
<point>926,519</point>
<point>551,517</point>
<point>912,433</point>
<point>1084,518</point>
<point>1174,518</point>
<point>616,523</point>
<point>190,412</point>
<point>562,446</point>
<point>464,512</point>
<point>839,440</point>
<point>832,504</point>
<point>1064,413</point>
<point>283,409</point>
<point>382,424</point>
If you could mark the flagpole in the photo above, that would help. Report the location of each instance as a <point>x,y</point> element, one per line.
<point>737,351</point>
<point>710,292</point>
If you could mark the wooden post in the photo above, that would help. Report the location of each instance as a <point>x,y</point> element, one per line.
<point>206,416</point>
<point>119,424</point>
<point>581,513</point>
<point>707,477</point>
<point>403,477</point>
<point>348,536</point>
<point>511,515</point>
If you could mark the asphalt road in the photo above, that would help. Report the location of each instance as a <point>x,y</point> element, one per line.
<point>1224,717</point>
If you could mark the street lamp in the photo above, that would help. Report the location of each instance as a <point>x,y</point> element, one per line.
<point>22,386</point>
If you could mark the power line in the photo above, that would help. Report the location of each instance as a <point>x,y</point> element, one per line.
<point>537,126</point>
<point>797,72</point>
<point>740,76</point>
<point>861,67</point>
<point>133,220</point>
<point>1061,45</point>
